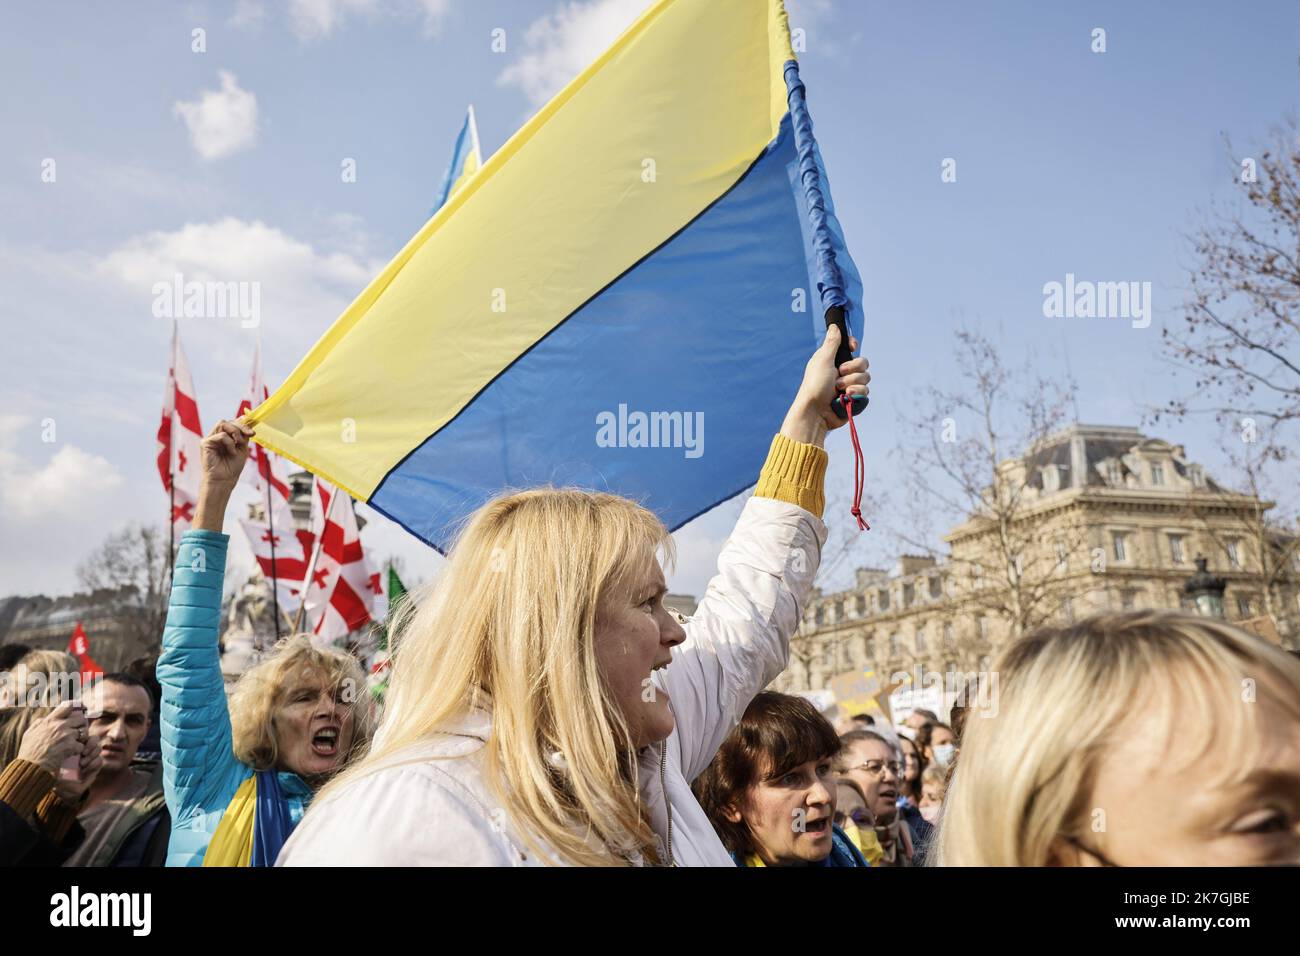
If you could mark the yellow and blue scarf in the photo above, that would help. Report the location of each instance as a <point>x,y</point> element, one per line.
<point>255,825</point>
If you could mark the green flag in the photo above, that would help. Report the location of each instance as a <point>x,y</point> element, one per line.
<point>396,594</point>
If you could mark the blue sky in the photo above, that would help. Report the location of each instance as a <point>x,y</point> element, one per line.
<point>1067,161</point>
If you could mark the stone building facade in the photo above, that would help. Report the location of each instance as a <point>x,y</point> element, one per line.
<point>1111,519</point>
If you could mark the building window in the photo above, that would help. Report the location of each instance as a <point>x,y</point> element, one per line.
<point>1119,545</point>
<point>936,588</point>
<point>882,598</point>
<point>893,644</point>
<point>1062,556</point>
<point>1243,606</point>
<point>1157,473</point>
<point>909,595</point>
<point>947,637</point>
<point>821,616</point>
<point>839,610</point>
<point>977,573</point>
<point>1128,599</point>
<point>869,646</point>
<point>826,653</point>
<point>1234,553</point>
<point>1176,548</point>
<point>862,605</point>
<point>920,640</point>
<point>983,624</point>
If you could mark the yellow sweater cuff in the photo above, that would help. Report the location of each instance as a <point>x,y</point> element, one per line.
<point>796,473</point>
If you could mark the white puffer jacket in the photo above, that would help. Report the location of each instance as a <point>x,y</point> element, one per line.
<point>439,812</point>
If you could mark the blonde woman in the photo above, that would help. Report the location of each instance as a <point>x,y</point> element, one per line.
<point>1141,739</point>
<point>238,777</point>
<point>545,705</point>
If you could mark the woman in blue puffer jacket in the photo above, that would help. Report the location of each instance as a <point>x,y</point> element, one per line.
<point>238,776</point>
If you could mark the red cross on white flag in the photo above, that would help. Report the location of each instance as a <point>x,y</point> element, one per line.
<point>339,599</point>
<point>179,436</point>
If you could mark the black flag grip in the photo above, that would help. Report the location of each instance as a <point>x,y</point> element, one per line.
<point>835,316</point>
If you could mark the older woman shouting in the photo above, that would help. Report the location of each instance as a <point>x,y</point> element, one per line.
<point>238,777</point>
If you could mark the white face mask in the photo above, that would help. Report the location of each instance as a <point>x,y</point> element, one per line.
<point>943,754</point>
<point>931,813</point>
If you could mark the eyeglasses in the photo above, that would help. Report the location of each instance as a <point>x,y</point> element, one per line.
<point>876,768</point>
<point>861,819</point>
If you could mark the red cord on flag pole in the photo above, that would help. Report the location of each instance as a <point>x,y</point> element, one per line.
<point>859,466</point>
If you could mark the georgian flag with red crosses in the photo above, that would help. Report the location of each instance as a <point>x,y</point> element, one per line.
<point>341,595</point>
<point>179,437</point>
<point>264,469</point>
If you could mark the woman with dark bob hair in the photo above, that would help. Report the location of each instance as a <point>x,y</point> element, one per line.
<point>770,792</point>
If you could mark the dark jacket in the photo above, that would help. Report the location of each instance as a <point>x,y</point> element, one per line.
<point>36,827</point>
<point>922,833</point>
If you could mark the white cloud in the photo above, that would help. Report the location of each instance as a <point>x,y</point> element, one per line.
<point>222,121</point>
<point>66,486</point>
<point>560,45</point>
<point>300,287</point>
<point>232,250</point>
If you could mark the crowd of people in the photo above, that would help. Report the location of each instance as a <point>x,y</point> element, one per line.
<point>545,707</point>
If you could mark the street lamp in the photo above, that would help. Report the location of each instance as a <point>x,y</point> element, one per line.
<point>1206,590</point>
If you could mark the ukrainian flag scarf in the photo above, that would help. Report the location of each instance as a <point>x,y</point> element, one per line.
<point>255,825</point>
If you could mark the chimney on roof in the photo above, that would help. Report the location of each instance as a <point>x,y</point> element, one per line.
<point>1078,460</point>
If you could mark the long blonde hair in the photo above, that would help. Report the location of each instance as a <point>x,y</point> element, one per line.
<point>1026,769</point>
<point>510,626</point>
<point>259,692</point>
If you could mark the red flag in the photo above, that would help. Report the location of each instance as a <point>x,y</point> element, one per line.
<point>79,647</point>
<point>179,435</point>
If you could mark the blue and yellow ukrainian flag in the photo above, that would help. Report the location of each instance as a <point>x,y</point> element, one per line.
<point>622,298</point>
<point>465,161</point>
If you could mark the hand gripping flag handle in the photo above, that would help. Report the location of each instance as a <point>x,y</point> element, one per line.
<point>835,316</point>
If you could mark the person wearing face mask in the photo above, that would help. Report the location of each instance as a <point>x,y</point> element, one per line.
<point>239,774</point>
<point>940,744</point>
<point>934,781</point>
<point>854,817</point>
<point>1190,748</point>
<point>771,791</point>
<point>874,759</point>
<point>547,708</point>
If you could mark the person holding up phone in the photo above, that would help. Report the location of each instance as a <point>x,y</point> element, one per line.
<point>44,785</point>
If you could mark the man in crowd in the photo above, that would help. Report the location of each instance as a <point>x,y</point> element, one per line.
<point>125,816</point>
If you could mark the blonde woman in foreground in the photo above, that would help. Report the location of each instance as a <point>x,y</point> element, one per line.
<point>1141,739</point>
<point>533,716</point>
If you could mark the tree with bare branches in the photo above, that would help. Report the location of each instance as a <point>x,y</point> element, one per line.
<point>1241,330</point>
<point>973,456</point>
<point>136,560</point>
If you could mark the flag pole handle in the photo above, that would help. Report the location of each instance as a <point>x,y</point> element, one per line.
<point>835,316</point>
